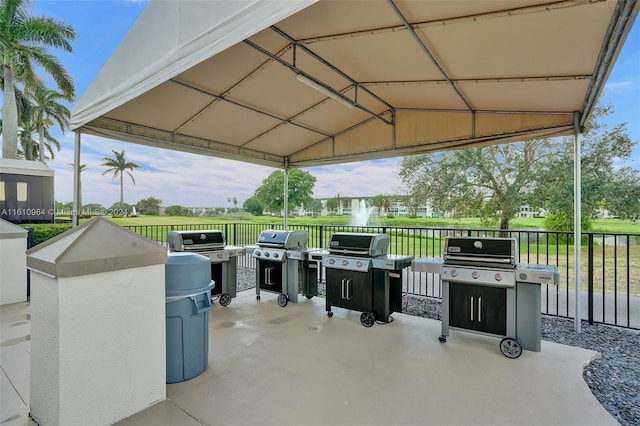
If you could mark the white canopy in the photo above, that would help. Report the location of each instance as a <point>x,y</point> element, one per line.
<point>308,82</point>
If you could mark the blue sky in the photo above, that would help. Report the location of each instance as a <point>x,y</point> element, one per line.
<point>169,175</point>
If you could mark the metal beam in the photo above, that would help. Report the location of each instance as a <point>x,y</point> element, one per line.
<point>577,219</point>
<point>426,51</point>
<point>76,181</point>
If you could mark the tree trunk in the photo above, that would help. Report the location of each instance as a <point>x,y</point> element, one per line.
<point>41,145</point>
<point>121,192</point>
<point>9,117</point>
<point>504,224</point>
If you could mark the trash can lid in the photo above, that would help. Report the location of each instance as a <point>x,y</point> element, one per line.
<point>187,273</point>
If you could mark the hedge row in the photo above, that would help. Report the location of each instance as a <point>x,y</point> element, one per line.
<point>45,231</point>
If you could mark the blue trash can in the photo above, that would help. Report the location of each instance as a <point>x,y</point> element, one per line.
<point>188,287</point>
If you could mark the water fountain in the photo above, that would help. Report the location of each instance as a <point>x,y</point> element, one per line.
<point>363,215</point>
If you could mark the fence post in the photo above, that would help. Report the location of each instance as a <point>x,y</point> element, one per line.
<point>590,280</point>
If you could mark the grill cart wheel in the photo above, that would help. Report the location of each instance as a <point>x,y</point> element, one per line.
<point>225,299</point>
<point>282,300</point>
<point>308,296</point>
<point>367,319</point>
<point>510,348</point>
<point>442,339</point>
<point>329,314</point>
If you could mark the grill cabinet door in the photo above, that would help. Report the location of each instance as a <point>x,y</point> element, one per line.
<point>216,276</point>
<point>349,289</point>
<point>479,308</point>
<point>270,275</point>
<point>461,301</point>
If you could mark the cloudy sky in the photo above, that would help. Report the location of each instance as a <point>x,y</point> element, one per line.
<point>193,180</point>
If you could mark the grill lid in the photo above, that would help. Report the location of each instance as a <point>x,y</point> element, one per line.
<point>358,244</point>
<point>283,239</point>
<point>196,240</point>
<point>480,251</point>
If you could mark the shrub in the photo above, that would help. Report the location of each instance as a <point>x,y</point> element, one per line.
<point>45,231</point>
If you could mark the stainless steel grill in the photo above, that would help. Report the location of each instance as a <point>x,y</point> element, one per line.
<point>211,243</point>
<point>361,276</point>
<point>485,290</point>
<point>283,265</point>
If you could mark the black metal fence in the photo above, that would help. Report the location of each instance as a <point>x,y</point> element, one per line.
<point>610,262</point>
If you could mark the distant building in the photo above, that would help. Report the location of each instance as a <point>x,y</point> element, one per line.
<point>528,212</point>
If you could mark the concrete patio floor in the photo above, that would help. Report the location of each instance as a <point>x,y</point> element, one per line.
<point>295,366</point>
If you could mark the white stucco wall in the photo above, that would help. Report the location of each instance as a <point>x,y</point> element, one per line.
<point>110,342</point>
<point>45,350</point>
<point>13,270</point>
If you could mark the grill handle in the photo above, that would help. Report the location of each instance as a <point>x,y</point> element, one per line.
<point>471,307</point>
<point>479,308</point>
<point>348,251</point>
<point>480,259</point>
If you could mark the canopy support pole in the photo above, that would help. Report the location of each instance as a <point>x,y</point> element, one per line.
<point>577,219</point>
<point>286,192</point>
<point>76,181</point>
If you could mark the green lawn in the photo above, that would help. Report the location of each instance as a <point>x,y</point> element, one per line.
<point>610,263</point>
<point>608,225</point>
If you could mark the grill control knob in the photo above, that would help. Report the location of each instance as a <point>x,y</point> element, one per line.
<point>266,254</point>
<point>359,263</point>
<point>498,276</point>
<point>475,275</point>
<point>219,255</point>
<point>332,261</point>
<point>257,253</point>
<point>275,255</point>
<point>454,273</point>
<point>345,262</point>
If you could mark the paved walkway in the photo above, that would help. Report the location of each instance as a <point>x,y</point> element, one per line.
<point>295,366</point>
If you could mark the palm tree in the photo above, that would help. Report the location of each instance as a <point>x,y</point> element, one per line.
<point>46,109</point>
<point>28,147</point>
<point>118,165</point>
<point>23,40</point>
<point>81,168</point>
<point>32,149</point>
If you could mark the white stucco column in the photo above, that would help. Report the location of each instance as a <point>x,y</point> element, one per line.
<point>98,347</point>
<point>13,263</point>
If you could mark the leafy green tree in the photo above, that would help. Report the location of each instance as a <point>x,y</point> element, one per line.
<point>63,209</point>
<point>23,43</point>
<point>253,206</point>
<point>176,210</point>
<point>93,209</point>
<point>271,192</point>
<point>382,202</point>
<point>119,165</point>
<point>602,148</point>
<point>333,204</point>
<point>149,203</point>
<point>120,209</point>
<point>462,181</point>
<point>624,202</point>
<point>315,207</point>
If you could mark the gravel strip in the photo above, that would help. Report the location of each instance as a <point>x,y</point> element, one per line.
<point>614,377</point>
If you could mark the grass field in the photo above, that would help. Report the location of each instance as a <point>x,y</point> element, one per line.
<point>617,267</point>
<point>608,225</point>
